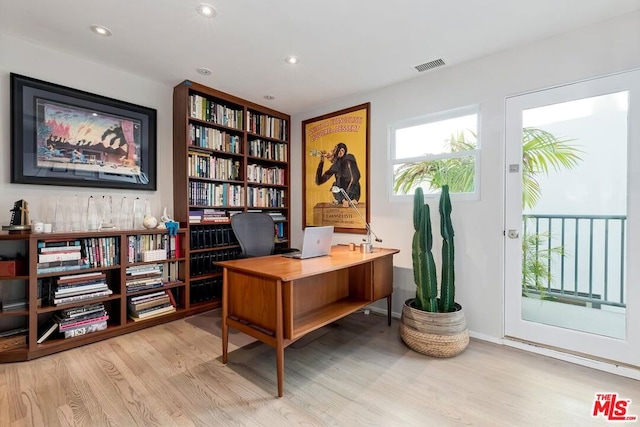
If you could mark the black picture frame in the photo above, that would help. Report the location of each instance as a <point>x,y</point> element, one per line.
<point>69,137</point>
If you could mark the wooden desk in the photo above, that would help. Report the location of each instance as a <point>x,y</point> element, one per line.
<point>278,300</point>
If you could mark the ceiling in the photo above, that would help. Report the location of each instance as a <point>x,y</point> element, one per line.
<point>345,47</point>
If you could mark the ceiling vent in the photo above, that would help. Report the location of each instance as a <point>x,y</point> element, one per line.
<point>429,65</point>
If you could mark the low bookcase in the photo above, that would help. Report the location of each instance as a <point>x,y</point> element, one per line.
<point>76,288</point>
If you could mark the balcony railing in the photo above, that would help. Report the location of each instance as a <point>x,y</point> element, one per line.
<point>590,268</point>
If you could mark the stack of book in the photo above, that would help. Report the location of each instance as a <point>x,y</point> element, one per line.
<point>209,216</point>
<point>154,304</point>
<point>80,287</point>
<point>77,321</point>
<point>142,277</point>
<point>60,255</point>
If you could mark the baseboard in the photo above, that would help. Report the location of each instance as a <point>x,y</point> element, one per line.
<point>612,368</point>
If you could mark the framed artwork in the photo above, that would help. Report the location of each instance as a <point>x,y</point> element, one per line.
<point>335,159</point>
<point>64,136</point>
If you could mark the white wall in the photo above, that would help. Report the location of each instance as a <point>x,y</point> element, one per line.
<point>22,57</point>
<point>605,48</point>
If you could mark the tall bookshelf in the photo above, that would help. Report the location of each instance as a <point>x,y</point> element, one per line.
<point>229,155</point>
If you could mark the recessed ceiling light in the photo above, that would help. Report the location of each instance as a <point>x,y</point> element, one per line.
<point>100,30</point>
<point>204,71</point>
<point>292,59</point>
<point>269,97</point>
<point>207,10</point>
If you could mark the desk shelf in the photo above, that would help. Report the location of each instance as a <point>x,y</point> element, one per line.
<point>325,315</point>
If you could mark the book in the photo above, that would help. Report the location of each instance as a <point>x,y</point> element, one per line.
<point>50,243</point>
<point>153,313</point>
<point>83,297</point>
<point>49,328</point>
<point>143,305</point>
<point>62,268</point>
<point>81,276</point>
<point>74,325</point>
<point>12,332</point>
<point>67,263</point>
<point>60,256</point>
<point>86,329</point>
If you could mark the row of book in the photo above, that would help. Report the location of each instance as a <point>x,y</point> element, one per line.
<point>201,263</point>
<point>268,150</point>
<point>209,236</point>
<point>212,111</point>
<point>214,139</point>
<point>266,175</point>
<point>76,254</point>
<point>266,197</point>
<point>201,165</point>
<point>138,244</point>
<point>271,127</point>
<point>205,290</point>
<point>210,194</point>
<point>76,321</point>
<point>150,305</point>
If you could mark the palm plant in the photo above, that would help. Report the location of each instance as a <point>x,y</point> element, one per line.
<point>536,259</point>
<point>541,152</point>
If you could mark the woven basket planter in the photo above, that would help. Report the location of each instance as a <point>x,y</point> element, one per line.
<point>434,334</point>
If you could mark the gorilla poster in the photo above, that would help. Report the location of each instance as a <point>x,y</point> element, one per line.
<point>336,160</point>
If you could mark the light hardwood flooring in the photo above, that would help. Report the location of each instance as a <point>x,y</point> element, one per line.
<point>356,372</point>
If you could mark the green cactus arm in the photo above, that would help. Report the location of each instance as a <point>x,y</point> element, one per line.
<point>447,291</point>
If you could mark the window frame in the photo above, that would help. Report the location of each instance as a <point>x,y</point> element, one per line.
<point>426,119</point>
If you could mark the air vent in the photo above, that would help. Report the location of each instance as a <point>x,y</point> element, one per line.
<point>429,65</point>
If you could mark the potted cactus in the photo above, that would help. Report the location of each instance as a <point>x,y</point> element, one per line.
<point>433,325</point>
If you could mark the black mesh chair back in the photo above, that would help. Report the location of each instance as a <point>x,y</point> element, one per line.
<point>255,232</point>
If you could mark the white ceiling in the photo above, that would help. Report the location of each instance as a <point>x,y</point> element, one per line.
<point>345,47</point>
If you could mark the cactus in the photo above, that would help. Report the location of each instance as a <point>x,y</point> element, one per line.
<point>447,285</point>
<point>424,268</point>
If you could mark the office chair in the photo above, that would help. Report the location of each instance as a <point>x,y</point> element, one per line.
<point>255,233</point>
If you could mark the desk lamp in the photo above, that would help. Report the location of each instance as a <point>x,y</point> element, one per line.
<point>367,246</point>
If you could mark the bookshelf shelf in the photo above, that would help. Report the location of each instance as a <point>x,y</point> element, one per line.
<point>12,313</point>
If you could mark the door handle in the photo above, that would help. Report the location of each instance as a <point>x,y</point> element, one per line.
<point>513,234</point>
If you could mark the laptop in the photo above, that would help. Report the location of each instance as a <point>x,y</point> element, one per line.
<point>316,242</point>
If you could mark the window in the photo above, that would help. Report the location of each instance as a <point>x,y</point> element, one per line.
<point>435,150</point>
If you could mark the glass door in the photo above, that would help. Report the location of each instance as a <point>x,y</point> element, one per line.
<point>572,211</point>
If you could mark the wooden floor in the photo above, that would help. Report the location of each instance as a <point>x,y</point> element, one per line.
<point>356,373</point>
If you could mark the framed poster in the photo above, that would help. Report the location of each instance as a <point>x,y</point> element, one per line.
<point>63,136</point>
<point>335,161</point>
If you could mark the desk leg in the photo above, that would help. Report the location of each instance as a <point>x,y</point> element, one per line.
<point>279,338</point>
<point>225,310</point>
<point>389,309</point>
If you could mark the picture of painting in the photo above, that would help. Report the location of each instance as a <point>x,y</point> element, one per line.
<point>65,136</point>
<point>86,140</point>
<point>336,170</point>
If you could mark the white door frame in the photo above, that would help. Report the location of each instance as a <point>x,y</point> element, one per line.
<point>599,348</point>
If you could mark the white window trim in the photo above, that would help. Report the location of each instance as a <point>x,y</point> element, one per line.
<point>425,119</point>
